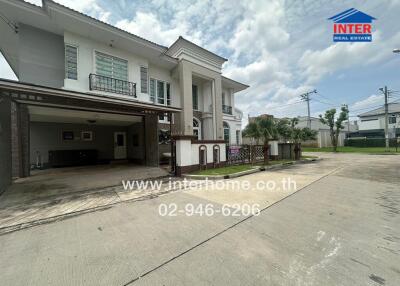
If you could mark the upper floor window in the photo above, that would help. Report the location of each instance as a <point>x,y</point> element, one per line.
<point>223,98</point>
<point>392,119</point>
<point>195,98</point>
<point>71,62</point>
<point>160,91</point>
<point>110,66</point>
<point>143,79</point>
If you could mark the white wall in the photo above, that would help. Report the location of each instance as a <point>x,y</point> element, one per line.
<point>187,153</point>
<point>86,66</point>
<point>370,123</point>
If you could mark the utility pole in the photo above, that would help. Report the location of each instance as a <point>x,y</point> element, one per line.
<point>386,119</point>
<point>306,97</point>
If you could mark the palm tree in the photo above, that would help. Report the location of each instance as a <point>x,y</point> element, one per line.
<point>264,129</point>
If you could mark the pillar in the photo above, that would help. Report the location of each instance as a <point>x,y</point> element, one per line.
<point>151,139</point>
<point>5,142</point>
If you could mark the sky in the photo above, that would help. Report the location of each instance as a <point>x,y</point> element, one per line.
<point>280,48</point>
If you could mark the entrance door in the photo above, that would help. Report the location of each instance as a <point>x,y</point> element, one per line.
<point>119,145</point>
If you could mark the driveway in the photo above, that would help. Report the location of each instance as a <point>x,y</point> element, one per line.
<point>341,228</point>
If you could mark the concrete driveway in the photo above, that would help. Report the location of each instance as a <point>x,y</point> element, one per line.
<point>341,228</point>
<point>52,193</point>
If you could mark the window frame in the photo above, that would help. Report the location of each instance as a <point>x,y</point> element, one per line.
<point>197,128</point>
<point>195,106</point>
<point>229,131</point>
<point>147,79</point>
<point>167,101</point>
<point>65,60</point>
<point>113,56</point>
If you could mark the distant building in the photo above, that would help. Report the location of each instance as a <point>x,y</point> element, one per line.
<point>372,123</point>
<point>323,137</point>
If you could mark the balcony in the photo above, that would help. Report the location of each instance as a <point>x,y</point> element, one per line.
<point>227,109</point>
<point>113,85</point>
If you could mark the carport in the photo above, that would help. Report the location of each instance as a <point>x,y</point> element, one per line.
<point>108,138</point>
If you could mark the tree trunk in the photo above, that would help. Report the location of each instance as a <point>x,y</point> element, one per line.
<point>297,151</point>
<point>336,140</point>
<point>266,153</point>
<point>332,133</point>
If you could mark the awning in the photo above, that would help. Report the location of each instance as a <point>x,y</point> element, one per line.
<point>48,96</point>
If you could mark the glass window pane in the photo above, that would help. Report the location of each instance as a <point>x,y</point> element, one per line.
<point>160,92</point>
<point>152,90</point>
<point>143,79</point>
<point>71,62</point>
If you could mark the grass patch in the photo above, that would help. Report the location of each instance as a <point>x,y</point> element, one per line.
<point>224,170</point>
<point>276,162</point>
<point>348,149</point>
<point>309,157</point>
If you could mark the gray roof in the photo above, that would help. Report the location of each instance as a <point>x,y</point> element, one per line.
<point>393,108</point>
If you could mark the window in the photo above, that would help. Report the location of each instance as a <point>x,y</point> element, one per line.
<point>71,62</point>
<point>168,94</point>
<point>163,118</point>
<point>226,131</point>
<point>237,137</point>
<point>195,98</point>
<point>160,92</point>
<point>196,128</point>
<point>143,79</point>
<point>223,98</point>
<point>110,66</point>
<point>392,119</point>
<point>153,90</point>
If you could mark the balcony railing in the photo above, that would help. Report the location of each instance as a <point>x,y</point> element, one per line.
<point>227,109</point>
<point>109,84</point>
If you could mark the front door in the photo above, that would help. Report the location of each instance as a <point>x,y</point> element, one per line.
<point>119,145</point>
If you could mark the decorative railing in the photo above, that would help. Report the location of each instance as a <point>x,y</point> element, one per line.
<point>227,109</point>
<point>109,84</point>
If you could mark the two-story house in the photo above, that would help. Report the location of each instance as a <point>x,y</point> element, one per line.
<point>90,92</point>
<point>372,123</point>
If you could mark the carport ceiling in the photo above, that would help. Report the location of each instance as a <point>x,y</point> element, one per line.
<point>58,115</point>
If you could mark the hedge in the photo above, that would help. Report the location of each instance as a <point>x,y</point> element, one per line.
<point>369,142</point>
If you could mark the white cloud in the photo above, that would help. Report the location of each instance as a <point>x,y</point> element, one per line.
<point>5,70</point>
<point>148,26</point>
<point>340,56</point>
<point>369,102</point>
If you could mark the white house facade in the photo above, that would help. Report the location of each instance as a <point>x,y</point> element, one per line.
<point>372,123</point>
<point>90,91</point>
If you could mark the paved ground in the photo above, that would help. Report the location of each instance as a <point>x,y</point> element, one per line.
<point>56,192</point>
<point>342,228</point>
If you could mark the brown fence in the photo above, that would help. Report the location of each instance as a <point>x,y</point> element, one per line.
<point>244,154</point>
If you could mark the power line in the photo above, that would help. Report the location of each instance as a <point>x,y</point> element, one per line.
<point>306,97</point>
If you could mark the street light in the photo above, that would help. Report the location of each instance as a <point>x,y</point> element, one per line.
<point>396,51</point>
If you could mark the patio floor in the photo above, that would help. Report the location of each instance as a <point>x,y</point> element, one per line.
<point>56,192</point>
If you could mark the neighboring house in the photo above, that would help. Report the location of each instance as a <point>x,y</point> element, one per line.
<point>372,123</point>
<point>323,136</point>
<point>90,92</point>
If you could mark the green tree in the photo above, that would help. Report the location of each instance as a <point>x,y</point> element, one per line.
<point>335,124</point>
<point>252,130</point>
<point>262,129</point>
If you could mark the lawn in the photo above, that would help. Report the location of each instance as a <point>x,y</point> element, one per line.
<point>225,170</point>
<point>236,169</point>
<point>348,149</point>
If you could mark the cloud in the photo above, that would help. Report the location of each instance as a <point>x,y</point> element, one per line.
<point>367,103</point>
<point>5,70</point>
<point>280,48</point>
